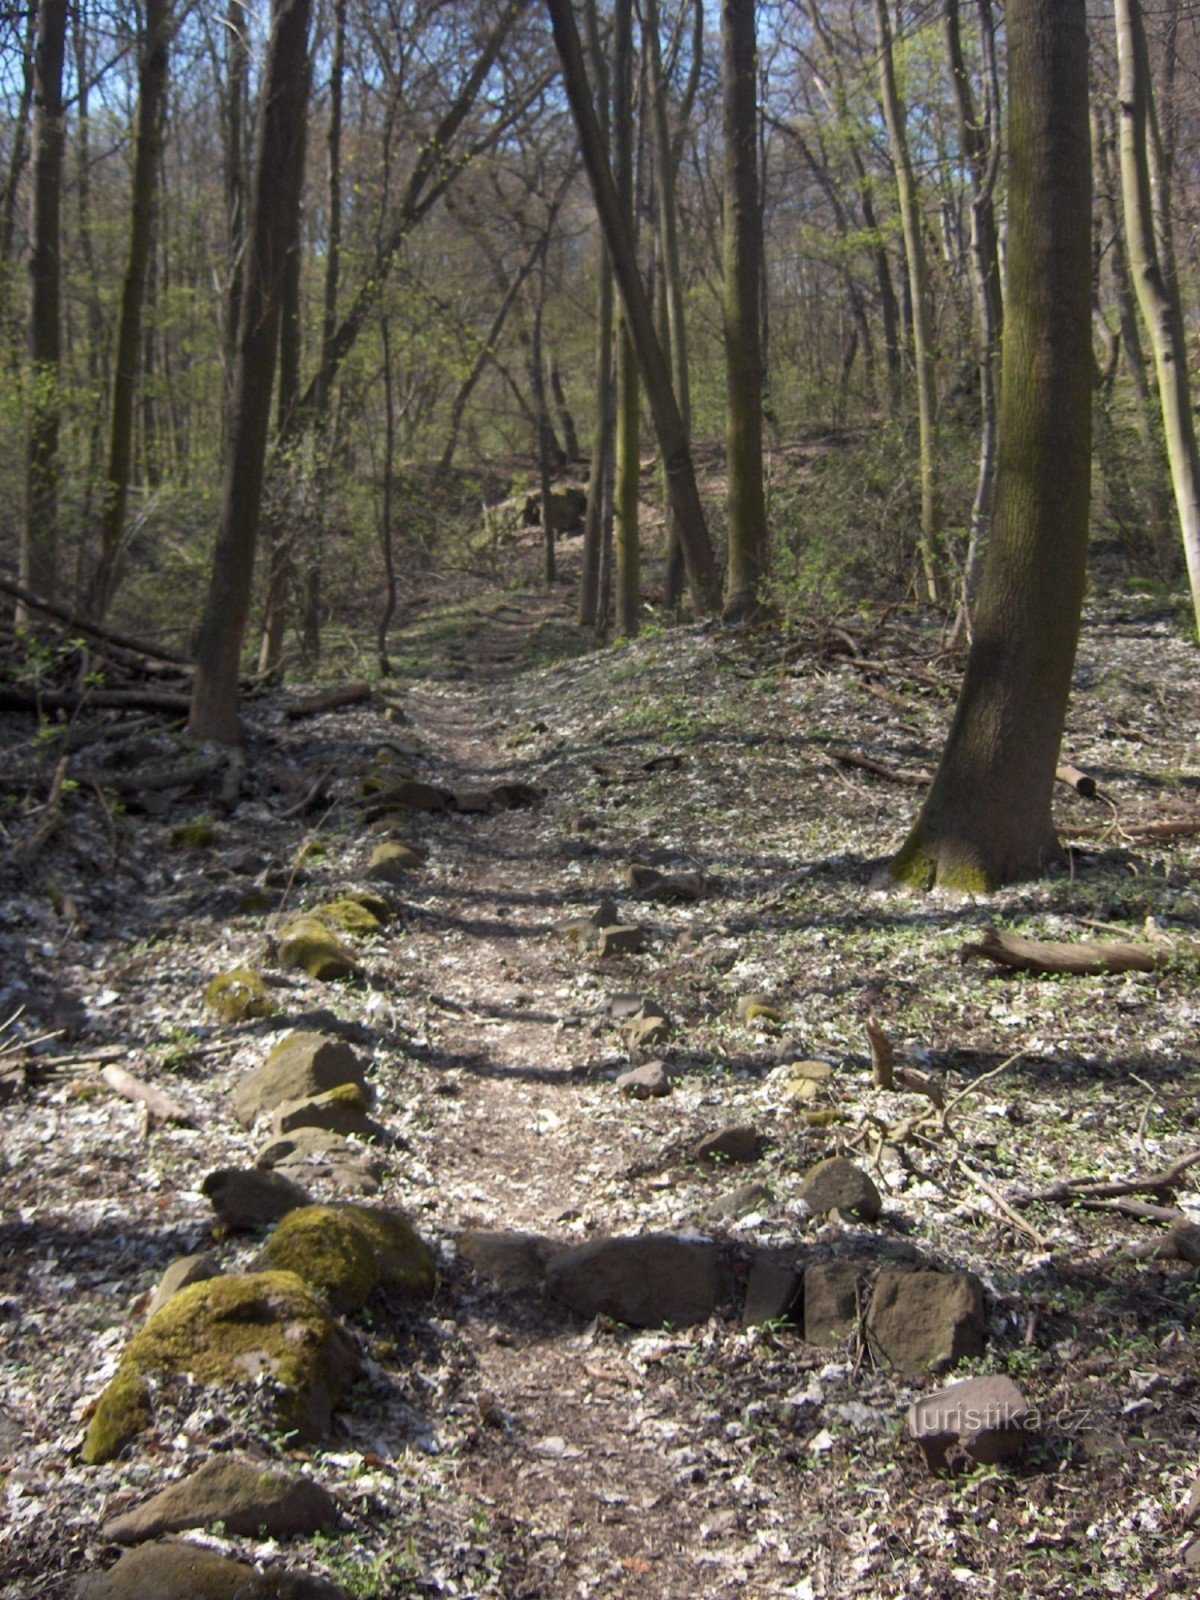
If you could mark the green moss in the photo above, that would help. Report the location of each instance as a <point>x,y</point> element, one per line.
<point>224,1331</point>
<point>239,994</point>
<point>912,865</point>
<point>311,850</point>
<point>405,1260</point>
<point>122,1412</point>
<point>326,1248</point>
<point>346,916</point>
<point>194,836</point>
<point>307,943</point>
<point>918,867</point>
<point>391,861</point>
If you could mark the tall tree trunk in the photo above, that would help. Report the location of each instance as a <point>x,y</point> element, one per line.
<point>273,219</point>
<point>987,817</point>
<point>746,502</point>
<point>655,373</point>
<point>38,556</point>
<point>1154,279</point>
<point>598,502</point>
<point>566,421</point>
<point>922,319</point>
<point>385,517</point>
<point>19,147</point>
<point>628,429</point>
<point>152,98</point>
<point>979,139</point>
<point>333,241</point>
<point>545,436</point>
<point>237,78</point>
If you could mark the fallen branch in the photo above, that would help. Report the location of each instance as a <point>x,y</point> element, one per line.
<point>154,779</point>
<point>13,699</point>
<point>52,815</point>
<point>998,1200</point>
<point>159,1106</point>
<point>91,630</point>
<point>346,694</point>
<point>1082,783</point>
<point>1071,1190</point>
<point>849,758</point>
<point>1046,956</point>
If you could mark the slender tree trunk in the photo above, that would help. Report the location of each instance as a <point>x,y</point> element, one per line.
<point>152,98</point>
<point>1154,279</point>
<point>628,430</point>
<point>545,437</point>
<point>237,59</point>
<point>274,211</point>
<point>746,502</point>
<point>655,373</point>
<point>987,818</point>
<point>38,556</point>
<point>19,147</point>
<point>597,501</point>
<point>385,519</point>
<point>922,321</point>
<point>570,434</point>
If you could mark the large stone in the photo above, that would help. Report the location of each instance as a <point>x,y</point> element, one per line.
<point>830,1301</point>
<point>299,1067</point>
<point>190,1572</point>
<point>349,1251</point>
<point>251,1198</point>
<point>410,794</point>
<point>392,861</point>
<point>509,1260</point>
<point>180,1274</point>
<point>246,1496</point>
<point>739,1142</point>
<point>926,1320</point>
<point>648,1281</point>
<point>978,1422</point>
<point>649,1082</point>
<point>838,1185</point>
<point>772,1289</point>
<point>228,1331</point>
<point>306,944</point>
<point>342,1110</point>
<point>650,884</point>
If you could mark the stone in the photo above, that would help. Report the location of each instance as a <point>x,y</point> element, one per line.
<point>739,1202</point>
<point>648,1082</point>
<point>620,939</point>
<point>920,1321</point>
<point>649,1026</point>
<point>772,1289</point>
<point>227,1331</point>
<point>648,1281</point>
<point>623,1006</point>
<point>830,1301</point>
<point>342,1110</point>
<point>976,1423</point>
<point>250,1198</point>
<point>307,945</point>
<point>838,1185</point>
<point>349,1251</point>
<point>171,1571</point>
<point>299,1067</point>
<point>301,1143</point>
<point>804,1080</point>
<point>756,1008</point>
<point>355,914</point>
<point>193,836</point>
<point>648,883</point>
<point>391,862</point>
<point>410,794</point>
<point>515,796</point>
<point>509,1260</point>
<point>248,1497</point>
<point>475,802</point>
<point>180,1273</point>
<point>348,1175</point>
<point>12,1434</point>
<point>738,1142</point>
<point>238,995</point>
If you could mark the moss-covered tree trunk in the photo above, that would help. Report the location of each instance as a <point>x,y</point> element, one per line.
<point>922,311</point>
<point>272,225</point>
<point>987,818</point>
<point>746,504</point>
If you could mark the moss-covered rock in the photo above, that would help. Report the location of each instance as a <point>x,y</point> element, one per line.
<point>342,1110</point>
<point>237,995</point>
<point>170,1571</point>
<point>307,944</point>
<point>311,849</point>
<point>223,1332</point>
<point>392,861</point>
<point>348,1251</point>
<point>299,1067</point>
<point>358,913</point>
<point>193,836</point>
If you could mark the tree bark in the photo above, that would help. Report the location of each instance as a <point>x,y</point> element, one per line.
<point>987,817</point>
<point>922,320</point>
<point>274,208</point>
<point>38,556</point>
<point>746,503</point>
<point>152,97</point>
<point>598,501</point>
<point>668,424</point>
<point>628,429</point>
<point>1154,278</point>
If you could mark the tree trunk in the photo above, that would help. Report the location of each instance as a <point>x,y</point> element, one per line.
<point>987,818</point>
<point>628,452</point>
<point>570,434</point>
<point>597,500</point>
<point>385,517</point>
<point>746,503</point>
<point>922,320</point>
<point>237,58</point>
<point>38,556</point>
<point>274,210</point>
<point>152,97</point>
<point>1154,279</point>
<point>668,424</point>
<point>545,437</point>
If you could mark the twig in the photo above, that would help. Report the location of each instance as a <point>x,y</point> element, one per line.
<point>1101,1189</point>
<point>998,1200</point>
<point>1143,1119</point>
<point>977,1083</point>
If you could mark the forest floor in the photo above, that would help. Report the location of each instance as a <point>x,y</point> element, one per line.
<point>498,1445</point>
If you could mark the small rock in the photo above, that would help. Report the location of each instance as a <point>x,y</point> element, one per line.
<point>477,802</point>
<point>193,836</point>
<point>623,1006</point>
<point>804,1080</point>
<point>646,1282</point>
<point>648,1082</point>
<point>411,795</point>
<point>509,1260</point>
<point>975,1423</point>
<point>830,1301</point>
<point>251,1199</point>
<point>738,1142</point>
<point>348,1251</point>
<point>923,1320</point>
<point>621,939</point>
<point>237,995</point>
<point>303,1142</point>
<point>306,944</point>
<point>838,1185</point>
<point>171,1571</point>
<point>515,796</point>
<point>649,1026</point>
<point>648,883</point>
<point>181,1272</point>
<point>245,1495</point>
<point>772,1289</point>
<point>739,1202</point>
<point>342,1110</point>
<point>299,1067</point>
<point>756,1008</point>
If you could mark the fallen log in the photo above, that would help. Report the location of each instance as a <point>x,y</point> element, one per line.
<point>1048,956</point>
<point>180,775</point>
<point>159,1106</point>
<point>1082,783</point>
<point>345,694</point>
<point>13,699</point>
<point>91,630</point>
<point>850,758</point>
